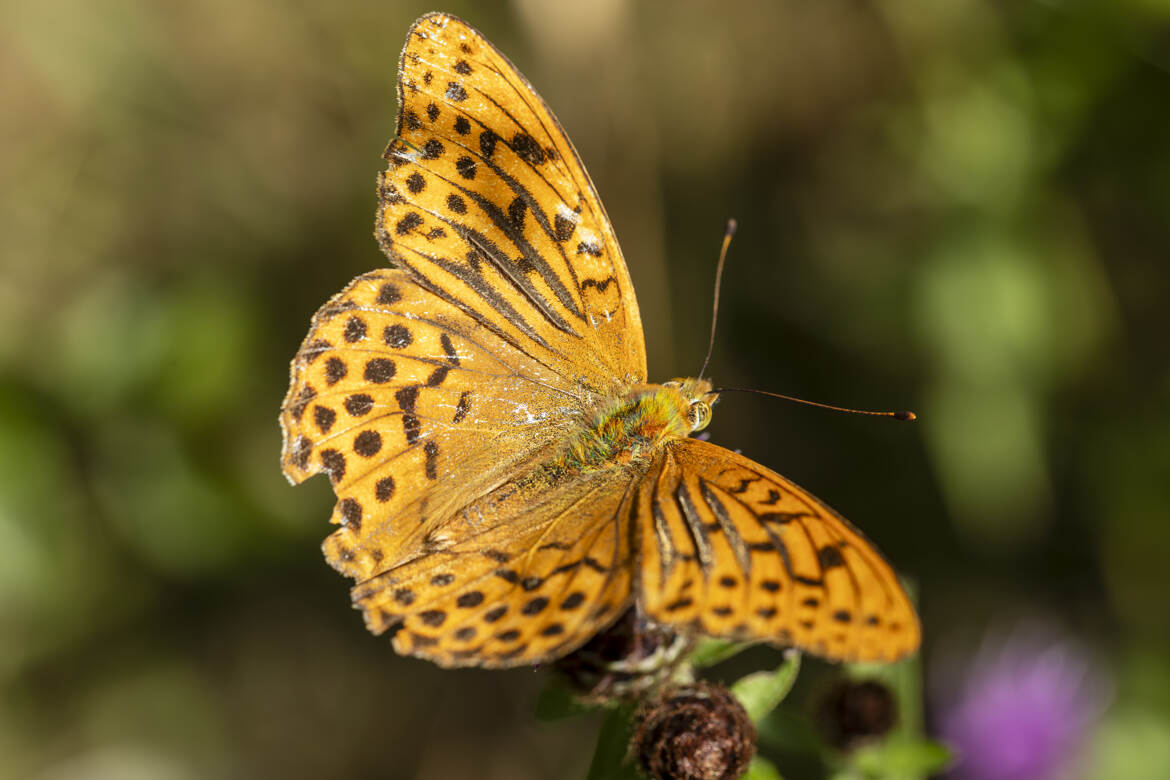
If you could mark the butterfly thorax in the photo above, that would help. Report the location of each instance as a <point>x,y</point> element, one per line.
<point>628,428</point>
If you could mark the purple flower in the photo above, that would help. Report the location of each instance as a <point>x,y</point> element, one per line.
<point>1024,711</point>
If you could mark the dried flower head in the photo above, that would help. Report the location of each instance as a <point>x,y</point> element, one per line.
<point>694,732</point>
<point>854,711</point>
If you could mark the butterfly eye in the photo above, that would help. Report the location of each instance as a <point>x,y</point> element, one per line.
<point>700,415</point>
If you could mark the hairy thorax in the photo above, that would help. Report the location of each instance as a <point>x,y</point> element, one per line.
<point>629,428</point>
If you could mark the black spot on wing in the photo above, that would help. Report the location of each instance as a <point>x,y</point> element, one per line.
<point>449,350</point>
<point>487,143</point>
<point>517,209</point>
<point>351,513</point>
<point>388,294</point>
<point>379,370</point>
<point>397,336</point>
<point>563,228</point>
<point>465,166</point>
<point>830,557</point>
<point>409,222</point>
<point>355,330</point>
<point>367,443</point>
<point>334,464</point>
<point>456,92</point>
<point>297,409</point>
<point>462,408</point>
<point>526,147</point>
<point>358,404</point>
<point>456,204</point>
<point>324,417</point>
<point>470,599</point>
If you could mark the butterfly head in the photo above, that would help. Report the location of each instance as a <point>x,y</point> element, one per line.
<point>700,399</point>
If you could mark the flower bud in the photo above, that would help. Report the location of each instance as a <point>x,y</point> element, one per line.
<point>855,711</point>
<point>694,732</point>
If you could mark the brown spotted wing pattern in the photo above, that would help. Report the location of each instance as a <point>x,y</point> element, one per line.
<point>545,566</point>
<point>440,397</point>
<point>411,406</point>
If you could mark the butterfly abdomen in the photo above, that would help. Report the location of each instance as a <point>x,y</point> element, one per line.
<point>627,429</point>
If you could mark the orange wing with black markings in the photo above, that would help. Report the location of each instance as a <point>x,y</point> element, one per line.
<point>487,203</point>
<point>424,390</point>
<point>735,550</point>
<point>544,566</point>
<point>413,408</point>
<point>507,482</point>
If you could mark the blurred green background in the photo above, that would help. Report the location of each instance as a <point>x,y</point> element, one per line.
<point>959,207</point>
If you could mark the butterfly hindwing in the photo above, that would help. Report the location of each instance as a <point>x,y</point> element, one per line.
<point>539,569</point>
<point>413,408</point>
<point>736,550</point>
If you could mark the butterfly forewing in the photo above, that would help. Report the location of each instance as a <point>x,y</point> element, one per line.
<point>487,202</point>
<point>741,552</point>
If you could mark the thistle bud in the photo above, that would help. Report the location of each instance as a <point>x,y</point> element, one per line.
<point>694,732</point>
<point>853,712</point>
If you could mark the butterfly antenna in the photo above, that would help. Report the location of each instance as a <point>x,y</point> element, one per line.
<point>727,236</point>
<point>895,415</point>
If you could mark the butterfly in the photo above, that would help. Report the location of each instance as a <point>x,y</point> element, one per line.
<point>508,481</point>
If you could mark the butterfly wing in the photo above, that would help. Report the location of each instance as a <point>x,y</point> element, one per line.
<point>413,409</point>
<point>739,551</point>
<point>423,388</point>
<point>533,570</point>
<point>487,203</point>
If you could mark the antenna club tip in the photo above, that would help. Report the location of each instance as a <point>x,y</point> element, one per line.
<point>908,416</point>
<point>732,226</point>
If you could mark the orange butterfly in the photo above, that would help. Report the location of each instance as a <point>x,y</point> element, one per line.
<point>508,482</point>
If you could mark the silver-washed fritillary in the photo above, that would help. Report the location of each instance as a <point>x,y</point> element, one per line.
<point>508,483</point>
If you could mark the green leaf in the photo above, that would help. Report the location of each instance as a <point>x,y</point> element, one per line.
<point>762,769</point>
<point>788,731</point>
<point>759,693</point>
<point>902,757</point>
<point>711,651</point>
<point>556,701</point>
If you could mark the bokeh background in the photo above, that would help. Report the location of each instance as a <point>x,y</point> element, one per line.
<point>959,207</point>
